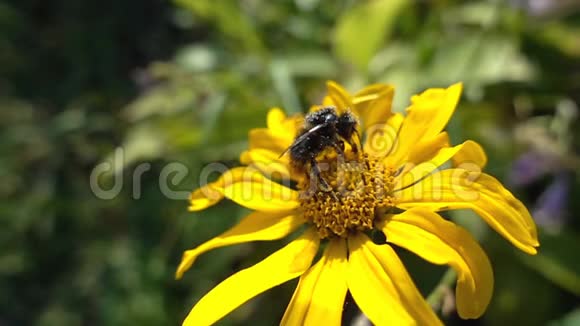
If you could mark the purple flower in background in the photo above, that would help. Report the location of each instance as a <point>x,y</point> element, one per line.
<point>550,209</point>
<point>531,166</point>
<point>546,8</point>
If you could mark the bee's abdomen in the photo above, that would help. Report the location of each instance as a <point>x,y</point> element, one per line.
<point>308,149</point>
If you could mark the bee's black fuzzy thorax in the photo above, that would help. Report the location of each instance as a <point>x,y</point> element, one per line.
<point>323,129</point>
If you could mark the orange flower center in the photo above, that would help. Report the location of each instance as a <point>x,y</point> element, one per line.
<point>358,188</point>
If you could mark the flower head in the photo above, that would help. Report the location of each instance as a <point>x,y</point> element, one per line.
<point>393,181</point>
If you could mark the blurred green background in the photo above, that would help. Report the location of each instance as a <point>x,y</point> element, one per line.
<point>182,82</point>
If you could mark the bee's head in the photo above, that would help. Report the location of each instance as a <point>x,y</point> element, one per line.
<point>346,125</point>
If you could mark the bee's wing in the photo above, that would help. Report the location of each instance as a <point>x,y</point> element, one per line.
<point>300,139</point>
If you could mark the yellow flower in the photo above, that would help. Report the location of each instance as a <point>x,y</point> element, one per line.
<point>396,185</point>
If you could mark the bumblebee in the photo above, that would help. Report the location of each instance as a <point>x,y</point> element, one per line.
<point>322,129</point>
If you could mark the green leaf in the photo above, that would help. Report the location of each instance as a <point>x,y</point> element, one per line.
<point>557,260</point>
<point>284,84</point>
<point>310,63</point>
<point>479,59</point>
<point>562,36</point>
<point>363,29</point>
<point>229,18</point>
<point>571,319</point>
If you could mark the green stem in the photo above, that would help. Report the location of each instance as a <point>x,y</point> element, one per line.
<point>434,299</point>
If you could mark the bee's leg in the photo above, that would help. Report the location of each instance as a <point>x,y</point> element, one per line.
<point>339,146</point>
<point>354,147</point>
<point>353,143</point>
<point>315,175</point>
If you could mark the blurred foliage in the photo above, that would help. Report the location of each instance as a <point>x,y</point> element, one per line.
<point>185,81</point>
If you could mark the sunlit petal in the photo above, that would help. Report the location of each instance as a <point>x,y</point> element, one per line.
<point>373,105</point>
<point>264,139</point>
<point>435,154</point>
<point>280,133</point>
<point>339,96</point>
<point>439,103</point>
<point>212,193</point>
<point>258,226</point>
<point>461,189</point>
<point>382,288</point>
<point>263,195</point>
<point>268,162</point>
<point>283,265</point>
<point>470,153</point>
<point>441,242</point>
<point>380,138</point>
<point>248,187</point>
<point>428,148</point>
<point>205,197</point>
<point>275,119</point>
<point>320,294</point>
<point>426,117</point>
<point>363,98</point>
<point>279,124</point>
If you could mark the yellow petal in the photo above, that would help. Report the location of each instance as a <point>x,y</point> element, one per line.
<point>381,138</point>
<point>275,118</point>
<point>373,105</point>
<point>434,154</point>
<point>326,101</point>
<point>257,226</point>
<point>422,160</point>
<point>382,288</point>
<point>212,193</point>
<point>320,294</point>
<point>441,242</point>
<point>439,104</point>
<point>247,187</point>
<point>461,189</point>
<point>262,194</point>
<point>339,96</point>
<point>426,117</point>
<point>471,153</point>
<point>264,139</point>
<point>268,162</point>
<point>428,148</point>
<point>280,133</point>
<point>283,265</point>
<point>367,95</point>
<point>279,124</point>
<point>205,197</point>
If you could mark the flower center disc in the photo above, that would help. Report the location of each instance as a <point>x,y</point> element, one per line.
<point>357,187</point>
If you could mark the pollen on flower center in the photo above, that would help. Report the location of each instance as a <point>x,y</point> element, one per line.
<point>358,186</point>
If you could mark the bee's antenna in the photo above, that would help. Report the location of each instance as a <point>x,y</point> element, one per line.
<point>285,151</point>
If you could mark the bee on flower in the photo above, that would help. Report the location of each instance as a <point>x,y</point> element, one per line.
<point>359,167</point>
